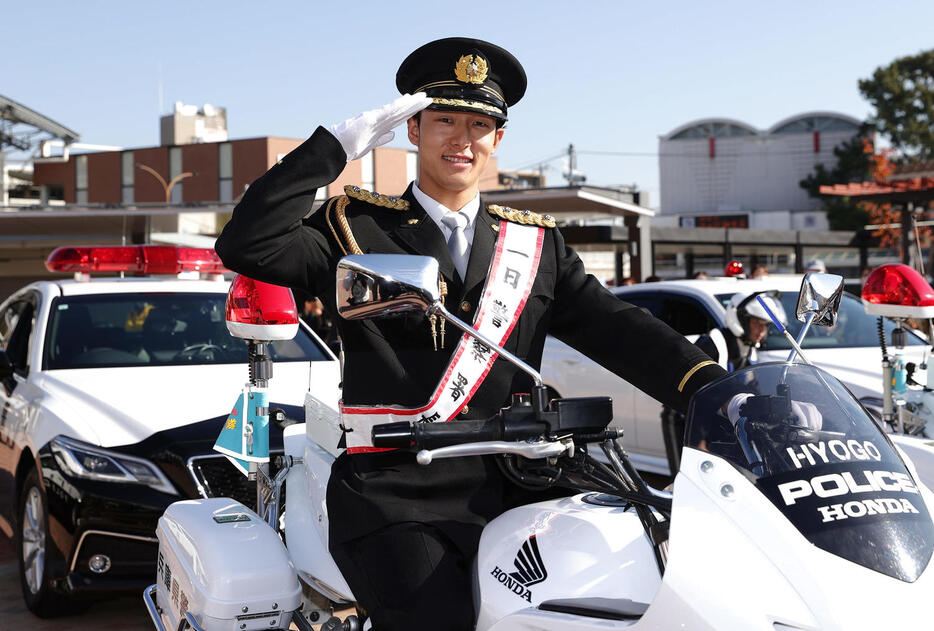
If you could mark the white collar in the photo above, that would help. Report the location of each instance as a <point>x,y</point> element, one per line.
<point>437,210</point>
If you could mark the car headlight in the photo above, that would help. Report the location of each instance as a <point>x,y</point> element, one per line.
<point>95,463</point>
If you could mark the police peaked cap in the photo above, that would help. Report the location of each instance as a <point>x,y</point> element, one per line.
<point>464,75</point>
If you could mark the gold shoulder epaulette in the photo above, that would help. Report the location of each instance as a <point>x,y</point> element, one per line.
<point>526,217</point>
<point>385,201</point>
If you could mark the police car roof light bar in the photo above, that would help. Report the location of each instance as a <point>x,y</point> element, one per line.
<point>134,259</point>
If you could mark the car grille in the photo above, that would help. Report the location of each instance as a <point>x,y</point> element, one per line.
<point>215,476</point>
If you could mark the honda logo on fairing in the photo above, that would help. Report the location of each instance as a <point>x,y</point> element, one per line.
<point>530,570</point>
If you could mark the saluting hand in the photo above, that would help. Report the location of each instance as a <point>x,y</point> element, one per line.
<point>363,133</point>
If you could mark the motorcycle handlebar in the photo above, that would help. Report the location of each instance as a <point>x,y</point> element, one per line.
<point>405,435</point>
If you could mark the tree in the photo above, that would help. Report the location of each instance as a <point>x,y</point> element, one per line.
<point>902,94</point>
<point>853,165</point>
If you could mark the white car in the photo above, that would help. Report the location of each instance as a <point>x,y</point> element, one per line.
<point>850,351</point>
<point>112,393</point>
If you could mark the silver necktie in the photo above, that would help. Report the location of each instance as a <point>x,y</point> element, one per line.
<point>457,222</point>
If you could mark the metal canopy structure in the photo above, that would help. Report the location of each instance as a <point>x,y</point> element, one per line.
<point>916,189</point>
<point>580,204</point>
<point>569,199</point>
<point>905,192</point>
<point>22,127</point>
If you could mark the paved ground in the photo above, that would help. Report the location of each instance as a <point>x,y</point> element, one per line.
<point>126,614</point>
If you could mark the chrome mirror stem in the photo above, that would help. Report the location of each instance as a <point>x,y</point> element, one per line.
<point>437,308</point>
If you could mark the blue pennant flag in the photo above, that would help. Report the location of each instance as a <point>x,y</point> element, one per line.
<point>244,439</point>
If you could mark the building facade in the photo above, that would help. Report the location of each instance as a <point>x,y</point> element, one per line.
<point>208,172</point>
<point>726,173</point>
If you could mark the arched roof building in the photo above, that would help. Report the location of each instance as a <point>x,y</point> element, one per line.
<point>721,166</point>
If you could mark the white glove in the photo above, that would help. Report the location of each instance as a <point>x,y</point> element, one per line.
<point>363,133</point>
<point>806,413</point>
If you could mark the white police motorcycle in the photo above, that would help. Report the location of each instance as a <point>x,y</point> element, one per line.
<point>771,525</point>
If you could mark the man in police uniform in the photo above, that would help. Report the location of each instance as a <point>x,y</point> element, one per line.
<point>405,535</point>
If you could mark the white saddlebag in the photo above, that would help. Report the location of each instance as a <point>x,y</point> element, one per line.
<point>219,561</point>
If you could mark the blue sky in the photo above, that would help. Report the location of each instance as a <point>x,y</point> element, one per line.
<point>606,76</point>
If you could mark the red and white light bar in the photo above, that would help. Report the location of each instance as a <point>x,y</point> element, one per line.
<point>260,311</point>
<point>134,259</point>
<point>898,291</point>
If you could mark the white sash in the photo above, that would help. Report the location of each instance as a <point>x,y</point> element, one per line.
<point>508,285</point>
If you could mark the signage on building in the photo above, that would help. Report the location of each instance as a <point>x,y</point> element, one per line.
<point>715,221</point>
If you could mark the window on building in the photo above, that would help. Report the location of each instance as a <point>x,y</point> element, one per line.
<point>175,169</point>
<point>225,172</point>
<point>127,172</point>
<point>713,129</point>
<point>816,123</point>
<point>81,179</point>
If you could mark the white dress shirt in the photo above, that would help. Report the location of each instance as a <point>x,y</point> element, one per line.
<point>437,210</point>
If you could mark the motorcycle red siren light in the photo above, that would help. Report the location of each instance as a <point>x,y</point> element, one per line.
<point>134,259</point>
<point>897,284</point>
<point>734,268</point>
<point>260,311</point>
<point>897,290</point>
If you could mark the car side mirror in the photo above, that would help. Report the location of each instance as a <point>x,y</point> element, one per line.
<point>374,285</point>
<point>820,295</point>
<point>6,366</point>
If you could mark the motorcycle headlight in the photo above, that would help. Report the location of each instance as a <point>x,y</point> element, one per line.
<point>95,463</point>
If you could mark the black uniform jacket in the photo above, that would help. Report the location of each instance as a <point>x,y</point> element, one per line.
<point>391,361</point>
<point>271,237</point>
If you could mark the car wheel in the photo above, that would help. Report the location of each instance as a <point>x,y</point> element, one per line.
<point>36,552</point>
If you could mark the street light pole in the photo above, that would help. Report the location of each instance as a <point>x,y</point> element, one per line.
<point>166,186</point>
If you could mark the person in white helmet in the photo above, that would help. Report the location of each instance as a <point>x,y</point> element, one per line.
<point>815,265</point>
<point>735,346</point>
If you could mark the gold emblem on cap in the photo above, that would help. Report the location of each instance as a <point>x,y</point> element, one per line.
<point>471,69</point>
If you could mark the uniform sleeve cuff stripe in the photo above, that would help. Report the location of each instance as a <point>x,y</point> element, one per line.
<point>691,372</point>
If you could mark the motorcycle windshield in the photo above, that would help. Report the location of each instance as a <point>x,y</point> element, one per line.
<point>843,486</point>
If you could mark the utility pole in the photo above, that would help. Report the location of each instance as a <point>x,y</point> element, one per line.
<point>572,164</point>
<point>907,233</point>
<point>572,176</point>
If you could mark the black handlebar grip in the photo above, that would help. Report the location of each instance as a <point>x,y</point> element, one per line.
<point>404,435</point>
<point>399,435</point>
<point>437,435</point>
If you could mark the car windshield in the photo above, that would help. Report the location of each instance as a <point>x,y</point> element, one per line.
<point>854,327</point>
<point>838,480</point>
<point>150,329</point>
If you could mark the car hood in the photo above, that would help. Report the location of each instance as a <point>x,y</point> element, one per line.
<point>120,406</point>
<point>860,369</point>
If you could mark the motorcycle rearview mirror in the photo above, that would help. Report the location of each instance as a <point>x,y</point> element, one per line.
<point>379,285</point>
<point>820,295</point>
<point>375,285</point>
<point>818,303</point>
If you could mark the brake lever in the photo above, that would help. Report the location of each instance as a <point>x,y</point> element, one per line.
<point>532,451</point>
